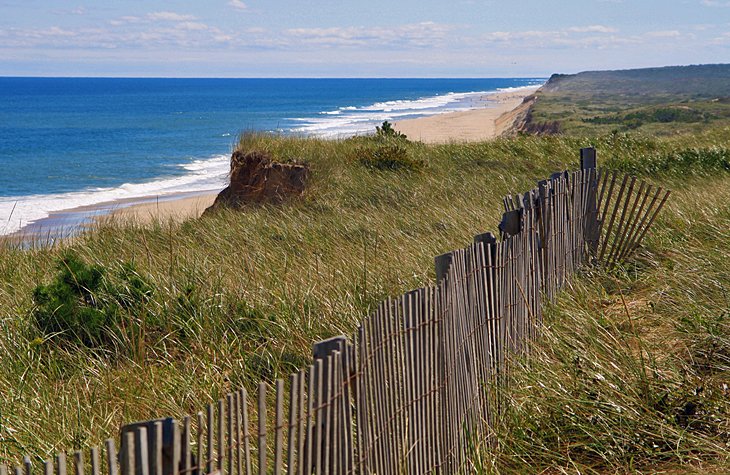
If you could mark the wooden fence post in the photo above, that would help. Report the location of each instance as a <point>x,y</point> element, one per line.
<point>443,263</point>
<point>325,351</point>
<point>592,229</point>
<point>511,224</point>
<point>588,158</point>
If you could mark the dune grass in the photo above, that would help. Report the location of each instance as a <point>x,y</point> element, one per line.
<point>630,374</point>
<point>239,297</point>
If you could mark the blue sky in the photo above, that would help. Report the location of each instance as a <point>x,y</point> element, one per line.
<point>341,38</point>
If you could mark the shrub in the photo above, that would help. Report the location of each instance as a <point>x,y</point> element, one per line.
<point>83,305</point>
<point>387,156</point>
<point>695,161</point>
<point>387,131</point>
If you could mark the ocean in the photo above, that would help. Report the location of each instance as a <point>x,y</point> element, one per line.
<point>68,143</point>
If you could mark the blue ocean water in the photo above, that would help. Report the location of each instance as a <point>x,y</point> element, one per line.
<point>69,142</point>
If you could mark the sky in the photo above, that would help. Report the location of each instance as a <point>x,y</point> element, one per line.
<point>344,38</point>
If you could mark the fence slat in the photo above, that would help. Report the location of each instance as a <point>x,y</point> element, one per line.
<point>141,453</point>
<point>229,434</point>
<point>292,423</point>
<point>279,428</point>
<point>220,437</point>
<point>95,466</point>
<point>210,458</point>
<point>262,428</point>
<point>246,434</point>
<point>155,441</point>
<point>187,455</point>
<point>78,463</point>
<point>111,458</point>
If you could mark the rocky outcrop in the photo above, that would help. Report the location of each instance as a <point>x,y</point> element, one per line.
<point>256,179</point>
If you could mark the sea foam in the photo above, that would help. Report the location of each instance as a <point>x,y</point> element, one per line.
<point>351,120</point>
<point>198,175</point>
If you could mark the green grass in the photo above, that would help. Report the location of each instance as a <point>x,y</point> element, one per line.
<point>631,371</point>
<point>654,101</point>
<point>582,114</point>
<point>238,297</point>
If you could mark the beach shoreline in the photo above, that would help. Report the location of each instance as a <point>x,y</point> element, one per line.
<point>492,115</point>
<point>143,210</point>
<point>490,120</point>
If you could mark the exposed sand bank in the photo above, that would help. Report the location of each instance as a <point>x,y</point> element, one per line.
<point>494,116</point>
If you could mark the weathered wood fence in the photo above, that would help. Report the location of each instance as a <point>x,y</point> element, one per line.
<point>411,391</point>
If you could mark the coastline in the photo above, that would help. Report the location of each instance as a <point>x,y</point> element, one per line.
<point>495,116</point>
<point>66,224</point>
<point>174,207</point>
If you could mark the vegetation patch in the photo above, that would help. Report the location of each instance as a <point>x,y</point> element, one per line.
<point>386,150</point>
<point>389,155</point>
<point>240,297</point>
<point>690,161</point>
<point>663,115</point>
<point>655,101</point>
<point>84,304</point>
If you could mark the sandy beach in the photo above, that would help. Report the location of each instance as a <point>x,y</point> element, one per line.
<point>172,207</point>
<point>142,211</point>
<point>491,117</point>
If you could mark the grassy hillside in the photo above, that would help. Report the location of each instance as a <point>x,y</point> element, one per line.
<point>631,373</point>
<point>188,311</point>
<point>657,101</point>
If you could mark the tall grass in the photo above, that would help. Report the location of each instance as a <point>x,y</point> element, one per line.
<point>238,297</point>
<point>630,372</point>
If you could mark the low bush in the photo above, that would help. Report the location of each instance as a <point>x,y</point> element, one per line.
<point>387,156</point>
<point>387,131</point>
<point>695,161</point>
<point>83,304</point>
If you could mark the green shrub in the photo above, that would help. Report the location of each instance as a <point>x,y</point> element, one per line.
<point>388,154</point>
<point>387,131</point>
<point>688,161</point>
<point>83,305</point>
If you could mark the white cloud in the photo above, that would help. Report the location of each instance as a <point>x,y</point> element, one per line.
<point>237,4</point>
<point>169,16</point>
<point>425,34</point>
<point>664,34</point>
<point>125,20</point>
<point>191,26</point>
<point>576,37</point>
<point>592,29</point>
<point>154,17</point>
<point>723,39</point>
<point>715,3</point>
